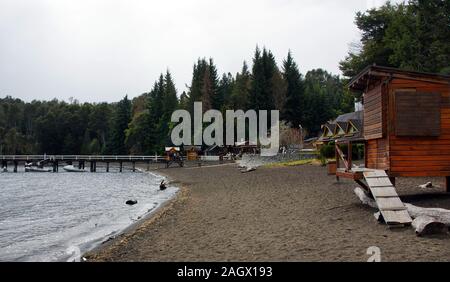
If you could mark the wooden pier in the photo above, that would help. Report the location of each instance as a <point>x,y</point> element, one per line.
<point>55,161</point>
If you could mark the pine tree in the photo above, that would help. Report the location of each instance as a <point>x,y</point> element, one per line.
<point>170,104</point>
<point>122,118</point>
<point>195,90</point>
<point>216,99</point>
<point>262,93</point>
<point>240,96</point>
<point>295,101</point>
<point>204,86</point>
<point>225,90</point>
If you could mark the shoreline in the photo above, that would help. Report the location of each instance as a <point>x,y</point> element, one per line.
<point>134,226</point>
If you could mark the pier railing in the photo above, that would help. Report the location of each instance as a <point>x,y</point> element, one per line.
<point>131,158</point>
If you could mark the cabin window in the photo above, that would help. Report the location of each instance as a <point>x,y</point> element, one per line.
<point>351,130</point>
<point>417,113</point>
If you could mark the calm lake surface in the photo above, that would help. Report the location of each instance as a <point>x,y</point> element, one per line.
<point>57,216</point>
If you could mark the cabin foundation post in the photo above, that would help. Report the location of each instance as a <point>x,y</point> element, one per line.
<point>107,166</point>
<point>447,184</point>
<point>134,166</point>
<point>120,166</point>
<point>16,163</point>
<point>336,153</point>
<point>349,155</point>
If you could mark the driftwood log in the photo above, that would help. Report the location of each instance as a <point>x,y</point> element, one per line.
<point>365,199</point>
<point>440,215</point>
<point>426,220</point>
<point>425,225</point>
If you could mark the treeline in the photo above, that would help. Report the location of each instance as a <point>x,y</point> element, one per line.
<point>413,36</point>
<point>142,125</point>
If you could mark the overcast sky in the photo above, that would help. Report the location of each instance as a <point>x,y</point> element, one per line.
<point>100,50</point>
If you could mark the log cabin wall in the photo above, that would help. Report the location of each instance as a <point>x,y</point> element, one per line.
<point>375,114</point>
<point>420,155</point>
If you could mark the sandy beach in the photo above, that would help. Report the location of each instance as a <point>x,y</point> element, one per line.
<point>273,214</point>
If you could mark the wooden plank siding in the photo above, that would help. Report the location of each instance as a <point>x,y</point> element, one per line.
<point>373,113</point>
<point>377,154</point>
<point>423,155</point>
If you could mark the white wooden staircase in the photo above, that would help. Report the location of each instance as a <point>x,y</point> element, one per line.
<point>391,207</point>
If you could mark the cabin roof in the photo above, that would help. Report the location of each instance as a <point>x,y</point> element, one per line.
<point>342,125</point>
<point>330,126</point>
<point>192,148</point>
<point>375,73</point>
<point>344,121</point>
<point>350,116</point>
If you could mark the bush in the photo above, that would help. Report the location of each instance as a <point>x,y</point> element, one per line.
<point>328,151</point>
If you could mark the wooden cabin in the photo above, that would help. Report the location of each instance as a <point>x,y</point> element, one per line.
<point>406,121</point>
<point>171,152</point>
<point>192,152</point>
<point>345,128</point>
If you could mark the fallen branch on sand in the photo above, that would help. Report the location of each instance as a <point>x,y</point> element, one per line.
<point>426,185</point>
<point>249,169</point>
<point>426,220</point>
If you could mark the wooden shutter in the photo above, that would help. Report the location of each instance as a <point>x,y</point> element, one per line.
<point>417,113</point>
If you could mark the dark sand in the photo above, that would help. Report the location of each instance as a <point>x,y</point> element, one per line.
<point>274,214</point>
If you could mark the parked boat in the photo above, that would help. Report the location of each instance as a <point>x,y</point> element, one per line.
<point>36,169</point>
<point>71,168</point>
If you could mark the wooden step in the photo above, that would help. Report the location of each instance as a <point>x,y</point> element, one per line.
<point>391,207</point>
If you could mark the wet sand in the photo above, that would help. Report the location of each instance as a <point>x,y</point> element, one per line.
<point>274,214</point>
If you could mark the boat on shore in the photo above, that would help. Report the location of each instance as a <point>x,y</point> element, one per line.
<point>71,168</point>
<point>36,169</point>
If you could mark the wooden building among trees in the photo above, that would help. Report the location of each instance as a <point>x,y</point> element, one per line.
<point>406,123</point>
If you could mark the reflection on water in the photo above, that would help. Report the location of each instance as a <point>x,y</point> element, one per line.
<point>46,216</point>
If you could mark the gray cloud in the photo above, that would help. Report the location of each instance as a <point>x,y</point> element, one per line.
<point>100,50</point>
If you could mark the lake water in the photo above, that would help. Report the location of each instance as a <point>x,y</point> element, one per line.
<point>56,216</point>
